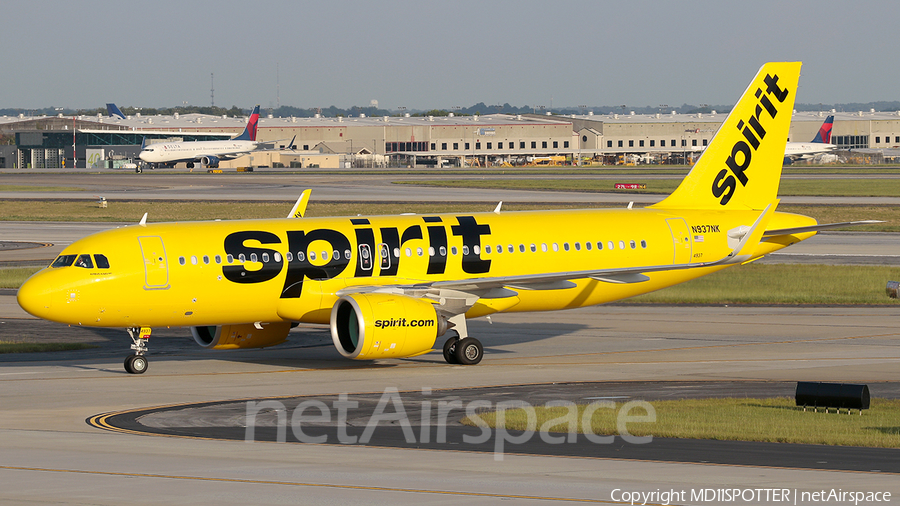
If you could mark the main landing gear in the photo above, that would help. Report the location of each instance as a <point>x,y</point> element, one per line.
<point>137,363</point>
<point>465,351</point>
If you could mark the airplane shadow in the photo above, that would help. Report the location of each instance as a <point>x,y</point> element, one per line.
<point>307,346</point>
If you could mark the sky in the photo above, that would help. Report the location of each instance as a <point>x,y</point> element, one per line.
<point>425,54</point>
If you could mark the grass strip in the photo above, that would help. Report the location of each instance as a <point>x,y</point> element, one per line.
<point>775,420</point>
<point>812,187</point>
<point>14,277</point>
<point>782,284</point>
<point>25,347</point>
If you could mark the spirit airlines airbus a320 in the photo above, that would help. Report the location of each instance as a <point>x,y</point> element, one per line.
<point>208,153</point>
<point>390,286</point>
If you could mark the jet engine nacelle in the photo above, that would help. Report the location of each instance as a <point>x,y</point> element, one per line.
<point>209,161</point>
<point>381,325</point>
<point>245,335</point>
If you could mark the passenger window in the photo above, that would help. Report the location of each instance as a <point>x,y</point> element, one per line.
<point>265,257</point>
<point>633,245</point>
<point>499,248</point>
<point>242,258</point>
<point>566,246</point>
<point>599,245</point>
<point>621,244</point>
<point>510,248</point>
<point>289,256</point>
<point>465,250</point>
<point>587,246</point>
<point>276,256</point>
<point>443,251</point>
<point>253,258</point>
<point>453,250</point>
<point>230,258</point>
<point>193,260</point>
<point>218,259</point>
<point>337,255</point>
<point>181,261</point>
<point>555,247</point>
<point>420,251</point>
<point>396,252</point>
<point>312,256</point>
<point>533,247</point>
<point>84,261</point>
<point>431,251</point>
<point>476,249</point>
<point>643,244</point>
<point>487,249</point>
<point>408,252</point>
<point>544,247</point>
<point>610,245</point>
<point>577,246</point>
<point>101,261</point>
<point>63,261</point>
<point>206,259</point>
<point>347,254</point>
<point>301,257</point>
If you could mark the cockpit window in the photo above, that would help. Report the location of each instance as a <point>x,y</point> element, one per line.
<point>84,261</point>
<point>101,261</point>
<point>63,261</point>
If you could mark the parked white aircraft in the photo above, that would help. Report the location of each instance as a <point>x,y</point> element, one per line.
<point>208,153</point>
<point>820,144</point>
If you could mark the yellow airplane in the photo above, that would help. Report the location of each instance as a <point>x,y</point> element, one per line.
<point>389,286</point>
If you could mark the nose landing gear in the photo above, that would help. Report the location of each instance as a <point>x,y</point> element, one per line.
<point>137,363</point>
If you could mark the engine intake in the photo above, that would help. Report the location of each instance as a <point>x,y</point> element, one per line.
<point>209,161</point>
<point>245,335</point>
<point>380,325</point>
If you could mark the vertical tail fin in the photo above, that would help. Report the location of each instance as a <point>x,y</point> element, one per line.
<point>741,167</point>
<point>114,111</point>
<point>824,135</point>
<point>249,133</point>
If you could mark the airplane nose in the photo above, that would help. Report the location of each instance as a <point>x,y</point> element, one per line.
<point>34,297</point>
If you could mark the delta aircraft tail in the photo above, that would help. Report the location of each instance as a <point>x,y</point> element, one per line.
<point>824,135</point>
<point>741,168</point>
<point>249,133</point>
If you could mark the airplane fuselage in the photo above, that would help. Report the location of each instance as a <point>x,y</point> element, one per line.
<point>189,151</point>
<point>224,272</point>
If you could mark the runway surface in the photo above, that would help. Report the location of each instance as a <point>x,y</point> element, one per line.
<point>50,454</point>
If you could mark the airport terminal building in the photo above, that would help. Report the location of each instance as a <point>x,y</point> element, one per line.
<point>442,141</point>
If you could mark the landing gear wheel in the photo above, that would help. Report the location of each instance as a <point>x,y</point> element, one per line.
<point>450,350</point>
<point>128,361</point>
<point>469,351</point>
<point>136,364</point>
<point>139,364</point>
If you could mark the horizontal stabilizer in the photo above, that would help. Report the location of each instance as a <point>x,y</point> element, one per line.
<point>816,228</point>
